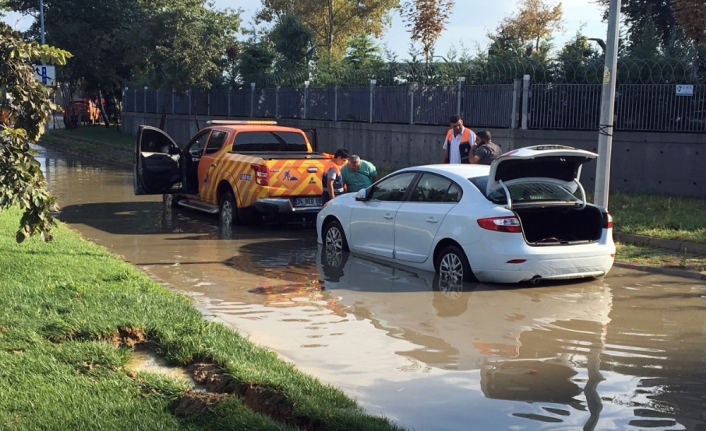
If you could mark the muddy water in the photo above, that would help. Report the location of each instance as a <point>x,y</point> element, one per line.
<point>626,352</point>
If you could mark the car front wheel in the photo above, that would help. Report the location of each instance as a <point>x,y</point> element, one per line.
<point>228,211</point>
<point>334,238</point>
<point>452,265</point>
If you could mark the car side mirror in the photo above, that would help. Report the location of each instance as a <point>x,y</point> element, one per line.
<point>362,195</point>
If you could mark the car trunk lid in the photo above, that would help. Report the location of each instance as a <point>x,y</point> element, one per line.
<point>543,163</point>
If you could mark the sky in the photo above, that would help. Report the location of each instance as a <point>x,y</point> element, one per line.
<point>468,25</point>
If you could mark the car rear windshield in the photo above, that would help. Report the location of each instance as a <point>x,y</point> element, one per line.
<point>269,141</point>
<point>527,192</point>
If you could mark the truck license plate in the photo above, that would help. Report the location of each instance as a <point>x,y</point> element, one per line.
<point>307,202</point>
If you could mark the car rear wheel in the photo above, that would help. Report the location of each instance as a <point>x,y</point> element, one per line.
<point>334,238</point>
<point>452,265</point>
<point>228,212</point>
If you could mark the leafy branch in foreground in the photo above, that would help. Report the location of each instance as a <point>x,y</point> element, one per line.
<point>24,110</point>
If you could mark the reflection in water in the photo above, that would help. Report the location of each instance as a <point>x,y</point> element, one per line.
<point>627,352</point>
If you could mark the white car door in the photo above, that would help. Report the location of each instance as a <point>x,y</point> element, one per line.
<point>372,223</point>
<point>418,219</point>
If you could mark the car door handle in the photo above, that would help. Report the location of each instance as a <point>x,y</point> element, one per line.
<point>388,216</point>
<point>432,220</point>
<point>213,165</point>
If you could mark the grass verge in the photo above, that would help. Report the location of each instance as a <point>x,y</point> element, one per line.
<point>655,256</point>
<point>71,311</point>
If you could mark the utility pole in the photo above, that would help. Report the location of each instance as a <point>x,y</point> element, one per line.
<point>605,126</point>
<point>41,19</point>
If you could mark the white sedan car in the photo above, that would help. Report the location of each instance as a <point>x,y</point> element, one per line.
<point>524,218</point>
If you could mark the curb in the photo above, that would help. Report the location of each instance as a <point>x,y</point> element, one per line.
<point>669,244</point>
<point>66,150</point>
<point>662,270</point>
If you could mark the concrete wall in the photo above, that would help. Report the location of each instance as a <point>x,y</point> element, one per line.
<point>663,163</point>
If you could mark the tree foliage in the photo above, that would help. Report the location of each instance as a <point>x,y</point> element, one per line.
<point>178,44</point>
<point>97,37</point>
<point>636,14</point>
<point>332,21</point>
<point>291,40</point>
<point>426,20</point>
<point>690,15</point>
<point>534,22</point>
<point>25,110</point>
<point>363,53</point>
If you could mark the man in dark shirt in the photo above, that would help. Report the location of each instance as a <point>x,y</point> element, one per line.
<point>485,150</point>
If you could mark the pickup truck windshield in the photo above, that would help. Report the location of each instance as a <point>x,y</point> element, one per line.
<point>269,141</point>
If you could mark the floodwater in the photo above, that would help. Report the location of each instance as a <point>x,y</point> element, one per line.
<point>627,352</point>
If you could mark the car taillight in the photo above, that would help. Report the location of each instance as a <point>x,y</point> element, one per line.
<point>607,220</point>
<point>262,175</point>
<point>501,224</point>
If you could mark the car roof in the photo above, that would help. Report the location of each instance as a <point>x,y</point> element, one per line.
<point>462,170</point>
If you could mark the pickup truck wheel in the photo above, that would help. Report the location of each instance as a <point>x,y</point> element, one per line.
<point>228,212</point>
<point>334,238</point>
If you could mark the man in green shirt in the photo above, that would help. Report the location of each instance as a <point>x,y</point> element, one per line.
<point>358,174</point>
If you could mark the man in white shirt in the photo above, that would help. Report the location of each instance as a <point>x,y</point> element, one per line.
<point>457,146</point>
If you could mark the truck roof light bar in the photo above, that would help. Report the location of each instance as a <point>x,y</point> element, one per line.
<point>241,122</point>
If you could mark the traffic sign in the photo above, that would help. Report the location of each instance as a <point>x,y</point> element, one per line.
<point>45,74</point>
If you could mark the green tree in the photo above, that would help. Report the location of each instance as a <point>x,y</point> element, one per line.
<point>180,44</point>
<point>332,21</point>
<point>97,36</point>
<point>635,15</point>
<point>426,20</point>
<point>647,44</point>
<point>291,40</point>
<point>363,53</point>
<point>24,112</point>
<point>255,58</point>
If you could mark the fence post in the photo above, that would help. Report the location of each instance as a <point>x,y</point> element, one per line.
<point>372,92</point>
<point>277,102</point>
<point>188,92</point>
<point>335,103</point>
<point>144,100</point>
<point>208,103</point>
<point>134,99</point>
<point>525,100</point>
<point>306,93</point>
<point>461,80</point>
<point>516,86</point>
<point>412,89</point>
<point>173,102</point>
<point>157,99</point>
<point>230,88</point>
<point>252,99</point>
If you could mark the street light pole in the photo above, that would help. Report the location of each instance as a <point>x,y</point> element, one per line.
<point>41,19</point>
<point>605,131</point>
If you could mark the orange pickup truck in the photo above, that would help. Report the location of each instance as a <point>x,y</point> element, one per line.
<point>237,169</point>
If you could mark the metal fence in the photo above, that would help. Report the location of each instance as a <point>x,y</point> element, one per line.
<point>639,107</point>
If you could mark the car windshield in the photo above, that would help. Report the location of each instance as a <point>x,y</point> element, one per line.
<point>527,192</point>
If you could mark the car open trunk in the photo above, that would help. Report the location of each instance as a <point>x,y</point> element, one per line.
<point>553,225</point>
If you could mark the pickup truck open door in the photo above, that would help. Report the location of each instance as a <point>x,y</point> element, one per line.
<point>158,163</point>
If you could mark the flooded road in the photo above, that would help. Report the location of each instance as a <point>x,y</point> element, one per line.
<point>626,352</point>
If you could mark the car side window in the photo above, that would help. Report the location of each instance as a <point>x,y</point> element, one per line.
<point>453,194</point>
<point>216,141</point>
<point>392,189</point>
<point>197,144</point>
<point>432,188</point>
